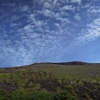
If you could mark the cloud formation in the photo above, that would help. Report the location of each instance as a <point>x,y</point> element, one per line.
<point>76,1</point>
<point>42,30</point>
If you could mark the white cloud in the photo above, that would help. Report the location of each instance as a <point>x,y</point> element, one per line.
<point>55,1</point>
<point>95,11</point>
<point>39,2</point>
<point>47,5</point>
<point>28,29</point>
<point>13,25</point>
<point>76,1</point>
<point>48,13</point>
<point>96,22</point>
<point>68,7</point>
<point>25,8</point>
<point>77,17</point>
<point>93,32</point>
<point>94,28</point>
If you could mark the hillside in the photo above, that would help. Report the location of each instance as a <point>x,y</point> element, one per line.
<point>53,81</point>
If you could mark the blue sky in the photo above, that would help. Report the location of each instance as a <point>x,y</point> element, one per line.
<point>49,31</point>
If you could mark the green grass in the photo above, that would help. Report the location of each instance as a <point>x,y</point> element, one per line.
<point>78,80</point>
<point>4,77</point>
<point>76,71</point>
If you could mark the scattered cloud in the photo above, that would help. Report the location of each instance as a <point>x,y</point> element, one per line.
<point>77,17</point>
<point>44,33</point>
<point>97,10</point>
<point>13,24</point>
<point>14,18</point>
<point>47,5</point>
<point>25,8</point>
<point>93,32</point>
<point>68,7</point>
<point>55,2</point>
<point>76,1</point>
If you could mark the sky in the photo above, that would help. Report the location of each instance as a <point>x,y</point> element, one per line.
<point>33,31</point>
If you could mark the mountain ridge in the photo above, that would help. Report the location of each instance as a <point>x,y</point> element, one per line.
<point>56,63</point>
<point>66,63</point>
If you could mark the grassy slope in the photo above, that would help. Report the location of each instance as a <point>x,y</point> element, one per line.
<point>82,81</point>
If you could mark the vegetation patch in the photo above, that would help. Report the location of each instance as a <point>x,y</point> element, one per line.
<point>50,82</point>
